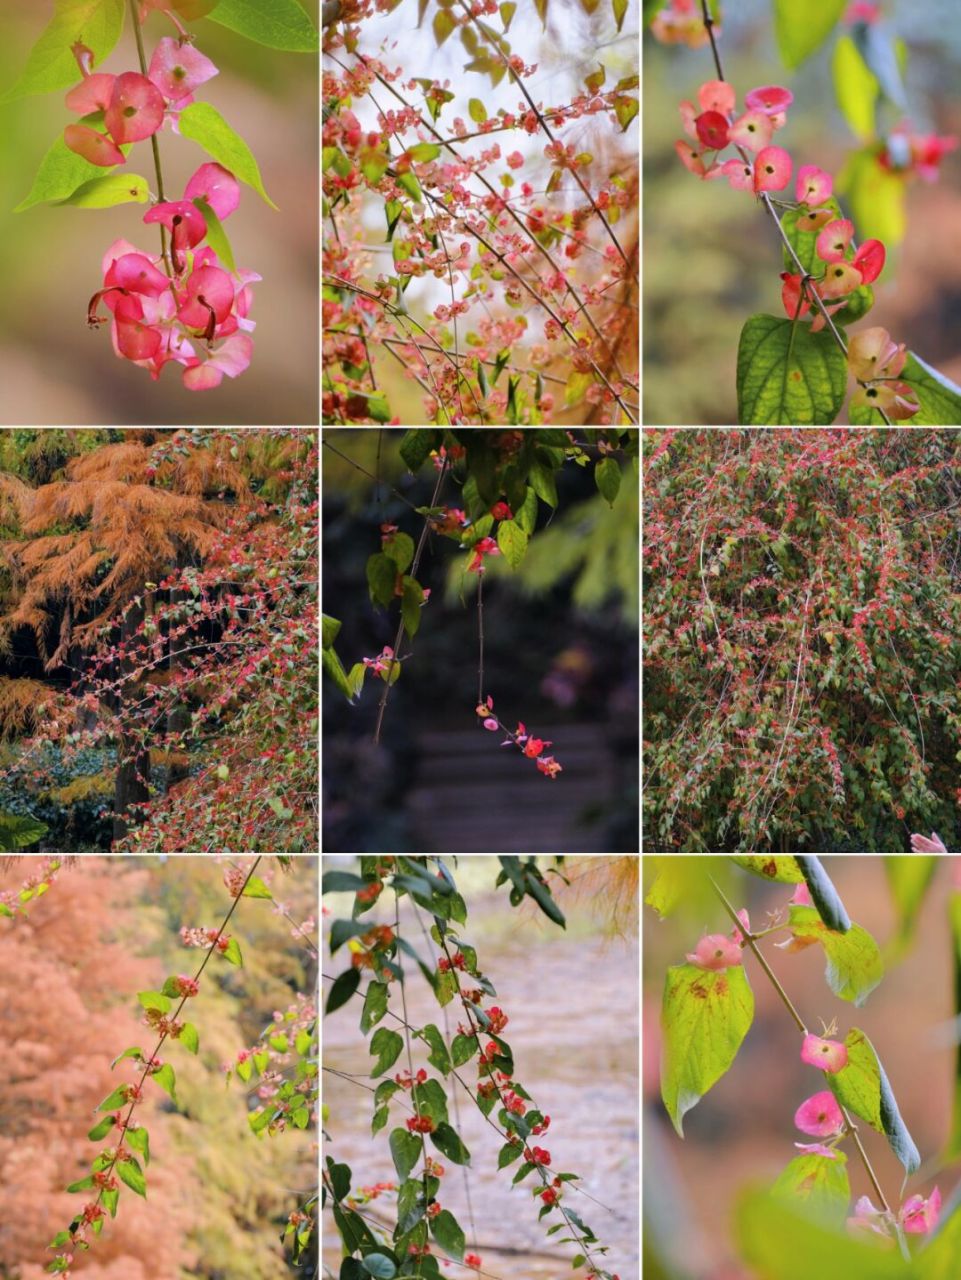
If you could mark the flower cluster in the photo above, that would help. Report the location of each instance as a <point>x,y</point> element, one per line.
<point>204,938</point>
<point>421,1124</point>
<point>458,962</point>
<point>681,23</point>
<point>185,986</point>
<point>530,746</point>
<point>876,362</point>
<point>714,128</point>
<point>406,1081</point>
<point>178,313</point>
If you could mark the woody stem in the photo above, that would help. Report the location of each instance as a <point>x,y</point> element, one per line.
<point>155,146</point>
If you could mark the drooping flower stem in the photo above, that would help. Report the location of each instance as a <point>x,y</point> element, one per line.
<point>849,1126</point>
<point>813,295</point>
<point>480,635</point>
<point>154,144</point>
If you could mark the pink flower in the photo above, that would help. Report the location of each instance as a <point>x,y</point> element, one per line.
<point>820,1115</point>
<point>872,354</point>
<point>715,951</point>
<point>485,547</point>
<point>185,223</point>
<point>801,896</point>
<point>177,68</point>
<point>814,186</point>
<point>829,1055</point>
<point>752,131</point>
<point>869,260</point>
<point>92,94</point>
<point>867,1219</point>
<point>490,723</point>
<point>712,130</point>
<point>717,95</point>
<point>216,185</point>
<point>772,169</point>
<point>832,243</point>
<point>135,110</point>
<point>771,99</point>
<point>515,160</point>
<point>816,1149</point>
<point>920,1216</point>
<point>549,766</point>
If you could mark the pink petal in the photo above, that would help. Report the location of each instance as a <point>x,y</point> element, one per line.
<point>816,1149</point>
<point>833,241</point>
<point>869,260</point>
<point>715,951</point>
<point>752,131</point>
<point>814,186</point>
<point>829,1055</point>
<point>93,146</point>
<point>91,94</point>
<point>820,1115</point>
<point>177,69</point>
<point>136,109</point>
<point>217,186</point>
<point>801,896</point>
<point>717,95</point>
<point>712,130</point>
<point>772,169</point>
<point>771,99</point>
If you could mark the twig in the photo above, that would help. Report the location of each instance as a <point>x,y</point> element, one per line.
<point>155,146</point>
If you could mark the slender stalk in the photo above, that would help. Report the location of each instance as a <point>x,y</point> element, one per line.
<point>813,295</point>
<point>849,1126</point>
<point>155,146</point>
<point>422,542</point>
<point>480,636</point>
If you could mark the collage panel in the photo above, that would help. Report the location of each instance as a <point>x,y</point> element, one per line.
<point>480,647</point>
<point>480,1067</point>
<point>160,1064</point>
<point>800,162</point>
<point>159,213</point>
<point>800,1035</point>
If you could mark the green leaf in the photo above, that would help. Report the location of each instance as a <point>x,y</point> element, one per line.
<point>245,1070</point>
<point>705,1016</point>
<point>342,882</point>
<point>375,1005</point>
<point>625,109</point>
<point>255,888</point>
<point>423,151</point>
<point>110,190</point>
<point>544,899</point>
<point>379,1266</point>
<point>166,1079</point>
<point>447,1231</point>
<point>417,445</point>
<point>462,1049</point>
<point>204,125</point>
<point>342,930</point>
<point>783,870</point>
<point>400,549</point>
<point>508,1153</point>
<point>477,110</point>
<point>819,1183</point>
<point>541,478</point>
<point>823,894</point>
<point>134,1052</point>
<point>101,1129</point>
<point>278,24</point>
<point>444,24</point>
<point>110,1199</point>
<point>405,1149</point>
<point>781,1242</point>
<point>940,398</point>
<point>61,173</point>
<point>154,1000</point>
<point>939,1258</point>
<point>863,1087</point>
<point>83,1184</point>
<point>344,987</point>
<point>139,1139</point>
<point>130,1172</point>
<point>526,1168</point>
<point>854,965</point>
<point>217,237</point>
<point>804,243</point>
<point>875,196</point>
<point>232,953</point>
<point>408,182</point>
<point>512,541</point>
<point>51,64</point>
<point>620,8</point>
<point>954,918</point>
<point>381,578</point>
<point>446,988</point>
<point>114,1100</point>
<point>438,1056</point>
<point>507,11</point>
<point>431,1100</point>
<point>446,1139</point>
<point>387,1045</point>
<point>855,87</point>
<point>189,1037</point>
<point>801,27</point>
<point>909,876</point>
<point>786,374</point>
<point>607,475</point>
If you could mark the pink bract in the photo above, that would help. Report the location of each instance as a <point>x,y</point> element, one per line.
<point>690,158</point>
<point>216,185</point>
<point>869,260</point>
<point>771,99</point>
<point>715,951</point>
<point>209,296</point>
<point>872,354</point>
<point>92,94</point>
<point>229,361</point>
<point>829,1055</point>
<point>717,95</point>
<point>840,279</point>
<point>93,146</point>
<point>801,896</point>
<point>820,1115</point>
<point>712,130</point>
<point>136,272</point>
<point>814,186</point>
<point>833,241</point>
<point>177,68</point>
<point>772,169</point>
<point>752,131</point>
<point>919,1215</point>
<point>136,109</point>
<point>816,1149</point>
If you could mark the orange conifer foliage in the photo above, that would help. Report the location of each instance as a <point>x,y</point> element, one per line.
<point>62,968</point>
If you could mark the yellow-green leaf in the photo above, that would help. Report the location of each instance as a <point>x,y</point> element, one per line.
<point>204,125</point>
<point>477,110</point>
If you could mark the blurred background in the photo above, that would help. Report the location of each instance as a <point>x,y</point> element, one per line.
<point>56,371</point>
<point>560,654</point>
<point>710,254</point>
<point>218,1196</point>
<point>571,997</point>
<point>572,45</point>
<point>742,1132</point>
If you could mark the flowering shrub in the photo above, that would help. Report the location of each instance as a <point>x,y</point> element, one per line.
<point>425,1230</point>
<point>795,369</point>
<point>802,619</point>
<point>550,246</point>
<point>798,1226</point>
<point>502,476</point>
<point>190,304</point>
